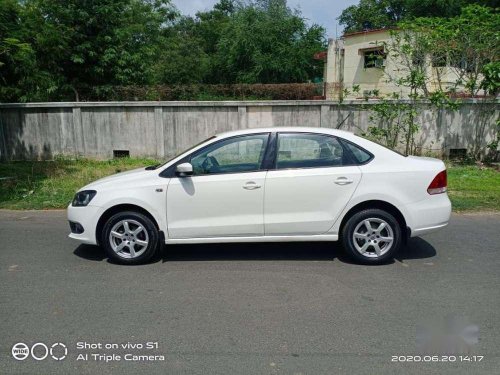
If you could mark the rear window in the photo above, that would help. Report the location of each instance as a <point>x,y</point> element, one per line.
<point>390,149</point>
<point>361,155</point>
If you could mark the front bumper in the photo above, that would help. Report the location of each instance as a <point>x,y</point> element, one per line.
<point>87,217</point>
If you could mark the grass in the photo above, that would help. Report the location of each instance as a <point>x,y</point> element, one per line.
<point>474,189</point>
<point>52,184</point>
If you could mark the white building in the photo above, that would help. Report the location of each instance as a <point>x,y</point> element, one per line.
<point>359,61</point>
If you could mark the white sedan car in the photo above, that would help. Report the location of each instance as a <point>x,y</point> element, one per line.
<point>267,185</point>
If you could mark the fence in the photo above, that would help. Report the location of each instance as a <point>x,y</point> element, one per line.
<point>163,129</point>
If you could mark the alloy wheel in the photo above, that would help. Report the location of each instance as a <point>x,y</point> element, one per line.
<point>373,237</point>
<point>128,238</point>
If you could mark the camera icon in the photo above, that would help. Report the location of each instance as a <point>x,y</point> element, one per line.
<point>20,351</point>
<point>39,351</point>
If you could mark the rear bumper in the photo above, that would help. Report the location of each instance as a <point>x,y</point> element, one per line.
<point>429,215</point>
<point>87,217</point>
<point>421,231</point>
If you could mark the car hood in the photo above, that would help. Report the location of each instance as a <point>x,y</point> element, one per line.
<point>118,178</point>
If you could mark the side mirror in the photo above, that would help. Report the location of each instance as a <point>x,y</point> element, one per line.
<point>184,169</point>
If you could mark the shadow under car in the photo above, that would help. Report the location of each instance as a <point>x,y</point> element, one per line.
<point>416,248</point>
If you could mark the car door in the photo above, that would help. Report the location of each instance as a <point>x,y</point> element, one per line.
<point>310,185</point>
<point>225,195</point>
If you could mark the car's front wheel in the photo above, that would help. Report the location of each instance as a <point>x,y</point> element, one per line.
<point>372,236</point>
<point>130,238</point>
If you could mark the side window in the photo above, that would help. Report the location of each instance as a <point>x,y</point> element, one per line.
<point>359,154</point>
<point>240,154</point>
<point>307,150</point>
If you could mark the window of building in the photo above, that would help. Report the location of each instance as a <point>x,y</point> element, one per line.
<point>418,58</point>
<point>374,58</point>
<point>438,60</point>
<point>461,62</point>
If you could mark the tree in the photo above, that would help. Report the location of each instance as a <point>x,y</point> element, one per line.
<point>182,58</point>
<point>263,41</point>
<point>267,42</point>
<point>17,59</point>
<point>491,81</point>
<point>73,49</point>
<point>458,48</point>
<point>188,48</point>
<point>376,14</point>
<point>433,58</point>
<point>471,42</point>
<point>96,44</point>
<point>371,14</point>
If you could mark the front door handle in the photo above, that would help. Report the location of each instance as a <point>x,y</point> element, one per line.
<point>343,181</point>
<point>250,185</point>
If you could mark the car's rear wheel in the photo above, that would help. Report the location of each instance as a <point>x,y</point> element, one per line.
<point>372,236</point>
<point>130,238</point>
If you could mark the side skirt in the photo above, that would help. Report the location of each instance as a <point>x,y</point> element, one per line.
<point>319,237</point>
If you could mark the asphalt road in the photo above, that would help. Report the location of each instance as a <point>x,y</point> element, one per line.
<point>298,308</point>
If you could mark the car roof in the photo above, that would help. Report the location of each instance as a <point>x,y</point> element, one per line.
<point>287,129</point>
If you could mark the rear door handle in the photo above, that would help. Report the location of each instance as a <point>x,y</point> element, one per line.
<point>343,181</point>
<point>250,185</point>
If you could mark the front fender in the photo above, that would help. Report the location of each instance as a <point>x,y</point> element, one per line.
<point>150,198</point>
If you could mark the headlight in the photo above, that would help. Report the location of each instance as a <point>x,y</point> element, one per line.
<point>83,198</point>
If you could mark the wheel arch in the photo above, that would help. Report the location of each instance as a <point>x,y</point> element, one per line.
<point>382,205</point>
<point>120,208</point>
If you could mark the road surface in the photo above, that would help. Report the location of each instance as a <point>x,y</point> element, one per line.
<point>300,308</point>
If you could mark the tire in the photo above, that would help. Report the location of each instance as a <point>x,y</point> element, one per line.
<point>375,246</point>
<point>130,238</point>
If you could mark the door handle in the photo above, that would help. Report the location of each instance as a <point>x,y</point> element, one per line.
<point>343,181</point>
<point>251,186</point>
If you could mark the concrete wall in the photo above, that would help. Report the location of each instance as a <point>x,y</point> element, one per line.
<point>334,69</point>
<point>163,129</point>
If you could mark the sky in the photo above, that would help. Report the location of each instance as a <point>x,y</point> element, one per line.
<point>321,12</point>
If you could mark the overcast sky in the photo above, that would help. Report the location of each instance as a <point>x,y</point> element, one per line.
<point>322,12</point>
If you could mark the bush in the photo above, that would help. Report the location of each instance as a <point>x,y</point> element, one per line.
<point>292,91</point>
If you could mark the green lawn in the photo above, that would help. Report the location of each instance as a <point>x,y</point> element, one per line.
<point>52,184</point>
<point>474,189</point>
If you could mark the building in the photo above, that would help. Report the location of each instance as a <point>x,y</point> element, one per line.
<point>359,67</point>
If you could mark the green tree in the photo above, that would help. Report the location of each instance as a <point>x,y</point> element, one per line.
<point>460,46</point>
<point>181,58</point>
<point>18,68</point>
<point>376,14</point>
<point>491,81</point>
<point>267,42</point>
<point>189,46</point>
<point>72,49</point>
<point>87,44</point>
<point>471,42</point>
<point>263,41</point>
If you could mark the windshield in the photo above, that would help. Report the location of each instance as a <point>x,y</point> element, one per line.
<point>179,154</point>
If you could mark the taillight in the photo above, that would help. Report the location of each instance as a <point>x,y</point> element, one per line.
<point>439,184</point>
